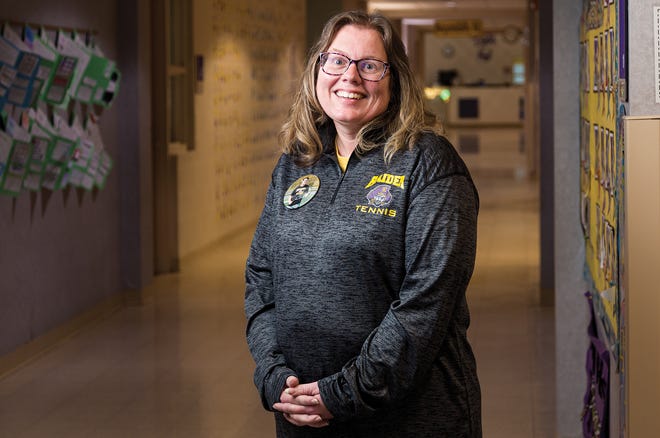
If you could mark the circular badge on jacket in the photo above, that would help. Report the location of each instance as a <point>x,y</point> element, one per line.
<point>301,191</point>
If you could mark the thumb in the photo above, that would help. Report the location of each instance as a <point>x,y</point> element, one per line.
<point>292,381</point>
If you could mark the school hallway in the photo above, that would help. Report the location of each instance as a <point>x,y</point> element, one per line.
<point>178,365</point>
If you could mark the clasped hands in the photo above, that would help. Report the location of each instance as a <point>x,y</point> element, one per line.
<point>302,405</point>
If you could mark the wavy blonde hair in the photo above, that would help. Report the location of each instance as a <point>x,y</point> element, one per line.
<point>399,126</point>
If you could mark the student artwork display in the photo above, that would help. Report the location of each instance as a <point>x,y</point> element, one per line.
<point>602,99</point>
<point>52,93</point>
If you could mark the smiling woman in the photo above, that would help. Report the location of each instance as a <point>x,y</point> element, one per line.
<point>355,291</point>
<point>346,95</point>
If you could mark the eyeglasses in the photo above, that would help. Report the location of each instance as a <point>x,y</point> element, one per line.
<point>336,64</point>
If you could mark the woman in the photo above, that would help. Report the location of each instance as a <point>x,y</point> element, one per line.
<point>355,294</point>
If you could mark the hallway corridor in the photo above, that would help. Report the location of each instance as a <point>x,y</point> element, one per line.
<point>178,366</point>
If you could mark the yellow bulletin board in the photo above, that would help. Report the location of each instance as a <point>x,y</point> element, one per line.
<point>602,106</point>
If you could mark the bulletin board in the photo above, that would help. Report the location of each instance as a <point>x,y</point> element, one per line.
<point>603,96</point>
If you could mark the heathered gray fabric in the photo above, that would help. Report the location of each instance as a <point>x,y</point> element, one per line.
<point>369,302</point>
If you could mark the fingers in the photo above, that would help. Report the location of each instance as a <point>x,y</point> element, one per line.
<point>297,408</point>
<point>306,420</point>
<point>291,382</point>
<point>304,400</point>
<point>303,389</point>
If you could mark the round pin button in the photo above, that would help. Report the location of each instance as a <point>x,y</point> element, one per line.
<point>301,191</point>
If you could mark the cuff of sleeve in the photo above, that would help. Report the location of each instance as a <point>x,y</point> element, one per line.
<point>276,384</point>
<point>336,397</point>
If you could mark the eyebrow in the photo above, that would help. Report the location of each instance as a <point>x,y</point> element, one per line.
<point>341,52</point>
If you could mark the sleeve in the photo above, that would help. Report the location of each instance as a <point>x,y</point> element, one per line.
<point>271,371</point>
<point>440,248</point>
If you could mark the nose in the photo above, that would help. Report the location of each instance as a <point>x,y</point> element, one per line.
<point>352,72</point>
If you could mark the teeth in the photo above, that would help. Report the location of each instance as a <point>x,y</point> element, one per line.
<point>349,95</point>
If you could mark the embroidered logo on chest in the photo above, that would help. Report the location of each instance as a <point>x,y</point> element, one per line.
<point>381,195</point>
<point>386,178</point>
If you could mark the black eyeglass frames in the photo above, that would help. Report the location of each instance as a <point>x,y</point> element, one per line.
<point>369,69</point>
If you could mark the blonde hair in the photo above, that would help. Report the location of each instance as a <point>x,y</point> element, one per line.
<point>399,126</point>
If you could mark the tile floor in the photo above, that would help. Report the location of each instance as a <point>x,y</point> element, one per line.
<point>178,365</point>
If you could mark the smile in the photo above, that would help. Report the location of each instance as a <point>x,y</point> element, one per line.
<point>348,95</point>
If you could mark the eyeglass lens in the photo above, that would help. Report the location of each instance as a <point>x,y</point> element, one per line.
<point>369,69</point>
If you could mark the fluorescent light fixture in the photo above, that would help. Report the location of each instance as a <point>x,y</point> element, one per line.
<point>398,6</point>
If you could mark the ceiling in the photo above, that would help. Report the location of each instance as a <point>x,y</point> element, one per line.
<point>457,9</point>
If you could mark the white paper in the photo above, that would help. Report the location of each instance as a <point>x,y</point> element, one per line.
<point>69,47</point>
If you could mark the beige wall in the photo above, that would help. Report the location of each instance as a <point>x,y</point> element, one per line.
<point>253,56</point>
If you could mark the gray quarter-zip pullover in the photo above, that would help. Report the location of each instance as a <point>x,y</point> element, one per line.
<point>362,288</point>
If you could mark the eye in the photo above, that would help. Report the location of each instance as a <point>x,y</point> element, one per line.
<point>337,60</point>
<point>369,66</point>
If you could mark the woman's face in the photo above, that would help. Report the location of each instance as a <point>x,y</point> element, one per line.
<point>350,101</point>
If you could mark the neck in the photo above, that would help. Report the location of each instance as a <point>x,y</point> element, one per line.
<point>345,144</point>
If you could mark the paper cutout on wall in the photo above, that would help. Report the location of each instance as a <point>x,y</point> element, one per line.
<point>55,70</point>
<point>18,71</point>
<point>51,95</point>
<point>95,78</point>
